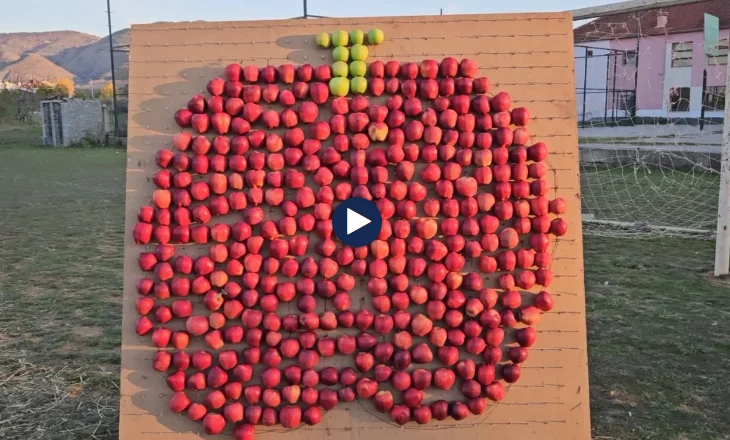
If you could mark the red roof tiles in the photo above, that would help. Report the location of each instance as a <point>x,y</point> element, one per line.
<point>680,19</point>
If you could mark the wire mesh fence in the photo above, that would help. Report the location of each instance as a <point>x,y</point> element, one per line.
<point>650,103</point>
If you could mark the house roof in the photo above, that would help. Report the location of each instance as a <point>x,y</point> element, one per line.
<point>680,19</point>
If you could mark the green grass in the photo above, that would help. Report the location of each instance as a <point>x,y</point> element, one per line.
<point>657,340</point>
<point>61,229</point>
<point>657,328</point>
<point>17,135</point>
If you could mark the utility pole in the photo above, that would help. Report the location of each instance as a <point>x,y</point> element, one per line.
<point>91,84</point>
<point>306,12</point>
<point>111,57</point>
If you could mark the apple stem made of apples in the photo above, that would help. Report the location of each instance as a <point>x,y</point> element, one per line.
<point>340,85</point>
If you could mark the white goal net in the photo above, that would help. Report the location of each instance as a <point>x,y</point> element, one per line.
<point>648,168</point>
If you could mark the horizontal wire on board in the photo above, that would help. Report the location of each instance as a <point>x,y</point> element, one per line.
<point>501,35</point>
<point>481,52</point>
<point>333,22</point>
<point>530,403</point>
<point>545,385</point>
<point>382,428</point>
<point>550,118</point>
<point>425,38</point>
<point>535,136</point>
<point>531,83</point>
<point>496,84</point>
<point>211,60</point>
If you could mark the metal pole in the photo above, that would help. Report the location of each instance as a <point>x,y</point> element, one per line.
<point>704,92</point>
<point>585,86</point>
<point>722,243</point>
<point>636,73</point>
<point>608,72</point>
<point>114,79</point>
<point>305,8</point>
<point>613,94</point>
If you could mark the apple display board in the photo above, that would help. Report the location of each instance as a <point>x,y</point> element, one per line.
<point>528,56</point>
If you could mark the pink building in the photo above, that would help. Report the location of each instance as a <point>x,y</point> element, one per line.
<point>669,44</point>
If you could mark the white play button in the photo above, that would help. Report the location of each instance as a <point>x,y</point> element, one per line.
<point>355,221</point>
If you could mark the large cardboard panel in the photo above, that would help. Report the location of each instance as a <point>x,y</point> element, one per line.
<point>528,55</point>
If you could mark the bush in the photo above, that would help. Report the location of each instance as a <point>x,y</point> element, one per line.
<point>18,105</point>
<point>82,94</point>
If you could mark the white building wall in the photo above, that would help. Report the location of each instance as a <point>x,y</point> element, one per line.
<point>591,73</point>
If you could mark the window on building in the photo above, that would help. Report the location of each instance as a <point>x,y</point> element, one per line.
<point>719,55</point>
<point>627,101</point>
<point>679,99</point>
<point>681,54</point>
<point>629,58</point>
<point>589,52</point>
<point>714,98</point>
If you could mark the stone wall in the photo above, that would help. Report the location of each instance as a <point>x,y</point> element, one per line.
<point>78,119</point>
<point>82,118</point>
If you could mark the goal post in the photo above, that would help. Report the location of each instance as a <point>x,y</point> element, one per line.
<point>671,153</point>
<point>722,242</point>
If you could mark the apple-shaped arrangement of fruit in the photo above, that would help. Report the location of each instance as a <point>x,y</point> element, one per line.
<point>455,281</point>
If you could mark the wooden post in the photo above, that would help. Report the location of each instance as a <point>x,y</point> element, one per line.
<point>722,241</point>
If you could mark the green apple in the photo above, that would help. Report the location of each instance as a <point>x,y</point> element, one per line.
<point>357,36</point>
<point>358,68</point>
<point>340,38</point>
<point>375,36</point>
<point>358,85</point>
<point>323,39</point>
<point>339,86</point>
<point>341,53</point>
<point>339,68</point>
<point>359,52</point>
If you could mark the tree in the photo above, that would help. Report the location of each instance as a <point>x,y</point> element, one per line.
<point>64,87</point>
<point>27,103</point>
<point>106,92</point>
<point>7,104</point>
<point>44,90</point>
<point>82,94</point>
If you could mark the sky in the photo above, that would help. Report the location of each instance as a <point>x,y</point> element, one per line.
<point>90,15</point>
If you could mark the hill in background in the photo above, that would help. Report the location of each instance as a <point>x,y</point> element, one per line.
<point>34,67</point>
<point>61,54</point>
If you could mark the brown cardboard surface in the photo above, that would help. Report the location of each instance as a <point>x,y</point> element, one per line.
<point>528,55</point>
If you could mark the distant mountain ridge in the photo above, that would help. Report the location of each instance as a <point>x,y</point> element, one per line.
<point>61,54</point>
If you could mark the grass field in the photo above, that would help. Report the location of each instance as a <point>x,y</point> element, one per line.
<point>658,329</point>
<point>657,196</point>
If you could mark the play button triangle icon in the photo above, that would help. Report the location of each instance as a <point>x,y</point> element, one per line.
<point>355,221</point>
